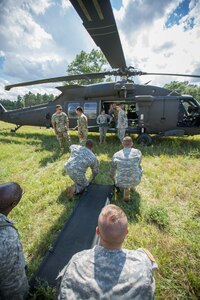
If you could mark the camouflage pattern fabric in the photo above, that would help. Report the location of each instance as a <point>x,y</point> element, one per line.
<point>13,280</point>
<point>60,120</point>
<point>76,166</point>
<point>100,273</point>
<point>82,129</point>
<point>122,119</point>
<point>114,114</point>
<point>126,167</point>
<point>103,121</point>
<point>122,124</point>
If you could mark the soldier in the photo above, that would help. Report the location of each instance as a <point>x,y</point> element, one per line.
<point>60,123</point>
<point>103,120</point>
<point>13,280</point>
<point>126,170</point>
<point>108,271</point>
<point>114,114</point>
<point>122,122</point>
<point>81,126</point>
<point>80,160</point>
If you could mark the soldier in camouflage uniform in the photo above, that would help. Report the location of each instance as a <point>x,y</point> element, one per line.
<point>82,124</point>
<point>13,280</point>
<point>114,114</point>
<point>60,123</point>
<point>76,166</point>
<point>108,271</point>
<point>122,122</point>
<point>126,170</point>
<point>103,120</point>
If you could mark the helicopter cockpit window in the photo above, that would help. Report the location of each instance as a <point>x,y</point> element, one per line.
<point>188,113</point>
<point>72,110</point>
<point>90,110</point>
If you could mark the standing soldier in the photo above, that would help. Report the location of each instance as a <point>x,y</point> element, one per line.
<point>126,170</point>
<point>122,122</point>
<point>81,126</point>
<point>80,160</point>
<point>60,123</point>
<point>114,114</point>
<point>103,120</point>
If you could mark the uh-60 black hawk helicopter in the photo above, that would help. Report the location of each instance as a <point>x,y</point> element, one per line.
<point>152,111</point>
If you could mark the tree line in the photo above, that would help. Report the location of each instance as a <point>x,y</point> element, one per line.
<point>184,88</point>
<point>27,100</point>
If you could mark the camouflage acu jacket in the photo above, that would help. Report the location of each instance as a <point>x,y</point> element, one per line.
<point>122,121</point>
<point>103,120</point>
<point>80,159</point>
<point>60,121</point>
<point>105,274</point>
<point>126,167</point>
<point>82,123</point>
<point>13,281</point>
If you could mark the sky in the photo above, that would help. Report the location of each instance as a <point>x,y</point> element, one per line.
<point>39,38</point>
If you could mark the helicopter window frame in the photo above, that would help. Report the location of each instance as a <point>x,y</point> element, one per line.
<point>72,109</point>
<point>90,109</point>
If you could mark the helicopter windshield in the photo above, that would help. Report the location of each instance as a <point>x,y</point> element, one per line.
<point>189,112</point>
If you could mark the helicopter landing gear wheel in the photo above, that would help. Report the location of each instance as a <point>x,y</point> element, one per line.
<point>144,139</point>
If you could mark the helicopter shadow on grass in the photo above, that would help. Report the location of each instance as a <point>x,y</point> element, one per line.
<point>44,142</point>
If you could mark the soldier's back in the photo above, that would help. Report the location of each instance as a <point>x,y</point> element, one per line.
<point>106,274</point>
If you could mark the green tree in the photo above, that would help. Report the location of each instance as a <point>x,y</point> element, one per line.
<point>27,100</point>
<point>184,88</point>
<point>93,62</point>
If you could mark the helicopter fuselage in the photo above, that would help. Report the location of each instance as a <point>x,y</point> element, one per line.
<point>150,109</point>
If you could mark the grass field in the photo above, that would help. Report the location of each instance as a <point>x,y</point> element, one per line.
<point>164,213</point>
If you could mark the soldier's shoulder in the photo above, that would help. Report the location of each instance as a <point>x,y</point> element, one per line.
<point>54,115</point>
<point>118,153</point>
<point>8,238</point>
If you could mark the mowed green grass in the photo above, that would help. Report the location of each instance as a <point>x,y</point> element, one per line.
<point>164,212</point>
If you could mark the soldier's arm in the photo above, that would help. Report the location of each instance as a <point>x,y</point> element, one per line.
<point>14,283</point>
<point>112,169</point>
<point>95,169</point>
<point>53,124</point>
<point>67,122</point>
<point>98,121</point>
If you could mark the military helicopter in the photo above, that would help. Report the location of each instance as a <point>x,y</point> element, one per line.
<point>152,111</point>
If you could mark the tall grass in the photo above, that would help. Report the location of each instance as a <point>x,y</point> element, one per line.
<point>164,212</point>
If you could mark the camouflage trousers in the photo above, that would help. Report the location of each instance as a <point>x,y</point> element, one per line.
<point>79,179</point>
<point>121,133</point>
<point>82,135</point>
<point>102,131</point>
<point>124,185</point>
<point>63,136</point>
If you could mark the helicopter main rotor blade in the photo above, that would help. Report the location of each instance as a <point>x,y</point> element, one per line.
<point>59,79</point>
<point>99,21</point>
<point>168,74</point>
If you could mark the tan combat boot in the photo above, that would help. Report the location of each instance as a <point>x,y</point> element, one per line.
<point>126,196</point>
